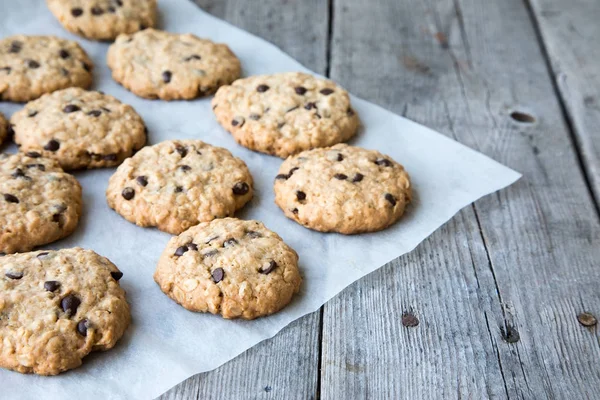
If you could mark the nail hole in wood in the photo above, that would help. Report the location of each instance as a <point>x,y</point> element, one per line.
<point>522,117</point>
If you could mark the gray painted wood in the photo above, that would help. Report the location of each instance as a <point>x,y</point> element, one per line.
<point>524,260</point>
<point>571,39</point>
<point>285,366</point>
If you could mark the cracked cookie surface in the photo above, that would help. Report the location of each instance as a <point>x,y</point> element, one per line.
<point>157,64</point>
<point>56,307</point>
<point>178,183</point>
<point>342,189</point>
<point>284,114</point>
<point>104,19</point>
<point>39,203</point>
<point>31,66</point>
<point>79,129</point>
<point>236,268</point>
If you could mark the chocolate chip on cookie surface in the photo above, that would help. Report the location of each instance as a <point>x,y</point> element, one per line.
<point>33,65</point>
<point>342,189</point>
<point>157,64</point>
<point>285,113</point>
<point>79,129</point>
<point>179,183</point>
<point>104,19</point>
<point>39,203</point>
<point>239,269</point>
<point>56,307</point>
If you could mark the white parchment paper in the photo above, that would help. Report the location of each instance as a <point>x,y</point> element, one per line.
<point>165,343</point>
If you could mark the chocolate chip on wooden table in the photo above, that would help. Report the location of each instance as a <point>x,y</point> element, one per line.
<point>389,197</point>
<point>166,76</point>
<point>11,198</point>
<point>241,188</point>
<point>262,88</point>
<point>76,12</point>
<point>141,180</point>
<point>358,177</point>
<point>52,145</point>
<point>300,90</point>
<point>269,268</point>
<point>300,195</point>
<point>69,304</point>
<point>82,327</point>
<point>71,108</point>
<point>51,286</point>
<point>116,275</point>
<point>128,193</point>
<point>180,251</point>
<point>326,91</point>
<point>64,54</point>
<point>218,275</point>
<point>14,275</point>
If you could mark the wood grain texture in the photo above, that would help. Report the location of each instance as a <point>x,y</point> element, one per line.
<point>285,366</point>
<point>570,35</point>
<point>498,289</point>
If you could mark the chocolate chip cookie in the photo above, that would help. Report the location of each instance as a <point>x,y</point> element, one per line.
<point>56,307</point>
<point>286,113</point>
<point>79,129</point>
<point>157,64</point>
<point>235,268</point>
<point>177,184</point>
<point>342,189</point>
<point>33,65</point>
<point>104,19</point>
<point>3,128</point>
<point>39,203</point>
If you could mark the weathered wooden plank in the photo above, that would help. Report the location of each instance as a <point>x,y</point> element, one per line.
<point>570,35</point>
<point>285,366</point>
<point>523,261</point>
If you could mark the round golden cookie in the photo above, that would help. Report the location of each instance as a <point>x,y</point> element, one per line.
<point>56,307</point>
<point>39,203</point>
<point>179,183</point>
<point>235,268</point>
<point>157,64</point>
<point>33,65</point>
<point>342,189</point>
<point>3,128</point>
<point>79,129</point>
<point>104,19</point>
<point>285,113</point>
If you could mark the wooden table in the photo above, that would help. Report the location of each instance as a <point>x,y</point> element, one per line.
<point>497,291</point>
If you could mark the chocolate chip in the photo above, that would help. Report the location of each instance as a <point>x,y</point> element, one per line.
<point>141,180</point>
<point>116,275</point>
<point>292,109</point>
<point>178,189</point>
<point>119,3</point>
<point>64,54</point>
<point>52,145</point>
<point>262,88</point>
<point>76,12</point>
<point>390,198</point>
<point>10,198</point>
<point>254,117</point>
<point>97,11</point>
<point>341,177</point>
<point>14,275</point>
<point>33,154</point>
<point>309,106</point>
<point>85,66</point>
<point>300,90</point>
<point>409,320</point>
<point>180,250</point>
<point>15,47</point>
<point>210,253</point>
<point>32,114</point>
<point>272,265</point>
<point>42,254</point>
<point>358,177</point>
<point>41,167</point>
<point>95,113</point>
<point>71,108</point>
<point>218,275</point>
<point>283,177</point>
<point>7,69</point>
<point>291,172</point>
<point>295,211</point>
<point>587,319</point>
<point>18,173</point>
<point>166,76</point>
<point>185,168</point>
<point>340,157</point>
<point>181,150</point>
<point>326,91</point>
<point>192,246</point>
<point>238,121</point>
<point>192,57</point>
<point>384,162</point>
<point>211,239</point>
<point>82,327</point>
<point>300,195</point>
<point>51,286</point>
<point>111,9</point>
<point>33,64</point>
<point>70,303</point>
<point>241,188</point>
<point>349,112</point>
<point>254,234</point>
<point>280,125</point>
<point>230,242</point>
<point>128,193</point>
<point>318,115</point>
